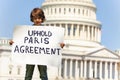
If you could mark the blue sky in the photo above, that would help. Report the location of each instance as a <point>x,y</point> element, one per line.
<point>16,12</point>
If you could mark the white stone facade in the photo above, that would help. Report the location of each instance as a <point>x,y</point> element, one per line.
<point>83,57</point>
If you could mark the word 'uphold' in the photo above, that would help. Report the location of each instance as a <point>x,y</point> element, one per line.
<point>39,33</point>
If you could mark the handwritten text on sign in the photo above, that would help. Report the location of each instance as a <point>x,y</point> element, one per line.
<point>37,45</point>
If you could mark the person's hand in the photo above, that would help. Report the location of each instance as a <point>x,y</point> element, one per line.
<point>11,42</point>
<point>62,45</point>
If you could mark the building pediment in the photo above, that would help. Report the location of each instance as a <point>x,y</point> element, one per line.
<point>104,53</point>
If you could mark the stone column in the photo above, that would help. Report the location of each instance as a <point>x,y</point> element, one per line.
<point>71,67</point>
<point>60,25</point>
<point>100,71</point>
<point>95,69</point>
<point>99,35</point>
<point>71,31</point>
<point>106,70</point>
<point>49,11</point>
<point>66,31</point>
<point>88,32</point>
<point>90,70</point>
<point>81,69</point>
<point>76,69</point>
<point>77,31</point>
<point>83,32</point>
<point>85,65</point>
<point>110,70</point>
<point>91,32</point>
<point>116,71</point>
<point>65,68</point>
<point>95,33</point>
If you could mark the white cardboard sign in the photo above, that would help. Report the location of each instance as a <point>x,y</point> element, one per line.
<point>37,45</point>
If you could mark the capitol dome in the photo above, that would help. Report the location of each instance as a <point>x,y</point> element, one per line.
<point>78,17</point>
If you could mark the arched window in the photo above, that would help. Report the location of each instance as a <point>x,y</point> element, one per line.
<point>57,25</point>
<point>74,10</point>
<point>69,28</point>
<point>69,10</point>
<point>59,10</point>
<point>64,10</point>
<point>74,29</point>
<point>51,10</point>
<point>78,11</point>
<point>19,70</point>
<point>55,11</point>
<point>83,12</point>
<point>10,69</point>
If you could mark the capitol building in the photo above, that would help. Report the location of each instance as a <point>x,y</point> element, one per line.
<point>83,57</point>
